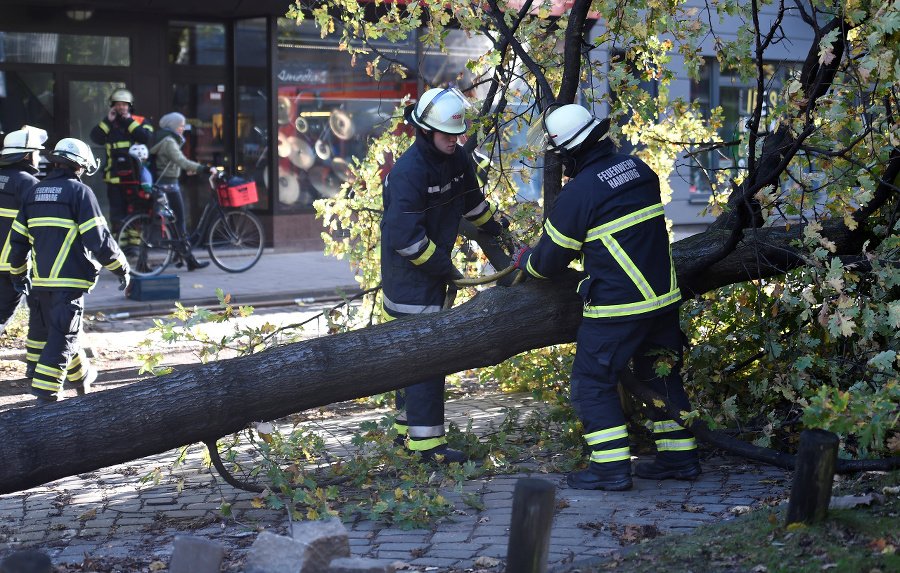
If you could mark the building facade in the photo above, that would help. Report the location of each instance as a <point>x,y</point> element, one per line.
<point>265,98</point>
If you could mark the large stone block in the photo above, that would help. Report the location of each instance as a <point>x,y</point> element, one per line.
<point>272,553</point>
<point>322,541</point>
<point>196,555</point>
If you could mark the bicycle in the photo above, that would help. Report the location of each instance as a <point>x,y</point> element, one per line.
<point>233,236</point>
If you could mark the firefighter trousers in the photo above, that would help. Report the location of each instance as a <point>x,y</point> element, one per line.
<point>604,350</point>
<point>9,300</point>
<point>54,328</point>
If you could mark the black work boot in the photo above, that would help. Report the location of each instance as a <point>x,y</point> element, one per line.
<point>193,264</point>
<point>611,476</point>
<point>44,399</point>
<point>444,454</point>
<point>676,465</point>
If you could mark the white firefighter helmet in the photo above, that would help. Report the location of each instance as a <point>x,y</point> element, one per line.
<point>121,95</point>
<point>76,152</point>
<point>24,140</point>
<point>442,110</point>
<point>561,128</point>
<point>140,151</point>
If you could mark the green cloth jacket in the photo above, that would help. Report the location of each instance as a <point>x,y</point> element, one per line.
<point>169,158</point>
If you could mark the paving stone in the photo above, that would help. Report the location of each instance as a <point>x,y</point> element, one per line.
<point>359,565</point>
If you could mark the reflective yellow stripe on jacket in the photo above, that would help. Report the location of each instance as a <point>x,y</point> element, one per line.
<point>651,300</point>
<point>4,254</point>
<point>54,280</point>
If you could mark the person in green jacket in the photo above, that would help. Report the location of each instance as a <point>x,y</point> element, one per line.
<point>170,161</point>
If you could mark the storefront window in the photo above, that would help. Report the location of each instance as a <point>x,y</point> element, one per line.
<point>26,98</point>
<point>328,108</point>
<point>34,48</point>
<point>738,101</point>
<point>252,100</point>
<point>196,43</point>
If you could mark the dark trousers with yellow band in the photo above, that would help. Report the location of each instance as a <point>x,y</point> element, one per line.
<point>420,408</point>
<point>53,342</point>
<point>604,350</point>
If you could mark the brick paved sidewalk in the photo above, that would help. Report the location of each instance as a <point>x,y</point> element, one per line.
<point>110,513</point>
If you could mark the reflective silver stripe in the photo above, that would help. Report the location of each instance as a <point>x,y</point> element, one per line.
<point>560,239</point>
<point>414,248</point>
<point>409,308</point>
<point>598,311</point>
<point>602,456</point>
<point>423,432</point>
<point>606,435</point>
<point>473,213</point>
<point>675,445</point>
<point>666,426</point>
<point>436,189</point>
<point>625,222</point>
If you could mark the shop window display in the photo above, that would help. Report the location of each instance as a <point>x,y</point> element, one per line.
<point>328,109</point>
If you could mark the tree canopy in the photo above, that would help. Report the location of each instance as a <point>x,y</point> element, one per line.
<point>791,293</point>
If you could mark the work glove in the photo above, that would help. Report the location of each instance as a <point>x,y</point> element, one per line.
<point>504,221</point>
<point>21,283</point>
<point>451,275</point>
<point>124,273</point>
<point>520,257</point>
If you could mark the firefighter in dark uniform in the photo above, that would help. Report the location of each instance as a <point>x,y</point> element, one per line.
<point>430,188</point>
<point>19,160</point>
<point>611,215</point>
<point>60,231</point>
<point>118,131</point>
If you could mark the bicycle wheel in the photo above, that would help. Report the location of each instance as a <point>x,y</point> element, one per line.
<point>236,241</point>
<point>147,242</point>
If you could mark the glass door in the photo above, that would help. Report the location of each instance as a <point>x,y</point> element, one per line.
<point>88,104</point>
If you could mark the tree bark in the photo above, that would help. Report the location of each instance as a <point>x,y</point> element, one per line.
<point>39,445</point>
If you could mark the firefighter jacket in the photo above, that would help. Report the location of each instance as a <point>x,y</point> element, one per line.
<point>61,228</point>
<point>15,181</point>
<point>118,136</point>
<point>425,196</point>
<point>610,213</point>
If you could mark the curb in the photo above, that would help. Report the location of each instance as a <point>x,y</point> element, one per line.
<point>133,309</point>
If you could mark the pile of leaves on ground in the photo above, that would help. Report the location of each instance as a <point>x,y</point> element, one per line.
<point>861,533</point>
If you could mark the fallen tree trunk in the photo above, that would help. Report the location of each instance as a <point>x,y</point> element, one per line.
<point>39,445</point>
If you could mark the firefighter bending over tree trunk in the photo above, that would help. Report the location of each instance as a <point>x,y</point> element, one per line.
<point>426,194</point>
<point>610,213</point>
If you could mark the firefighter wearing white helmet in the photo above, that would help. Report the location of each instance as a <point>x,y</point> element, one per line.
<point>19,161</point>
<point>610,215</point>
<point>60,233</point>
<point>117,132</point>
<point>430,188</point>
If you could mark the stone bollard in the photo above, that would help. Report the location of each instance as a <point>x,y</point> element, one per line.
<point>26,561</point>
<point>196,555</point>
